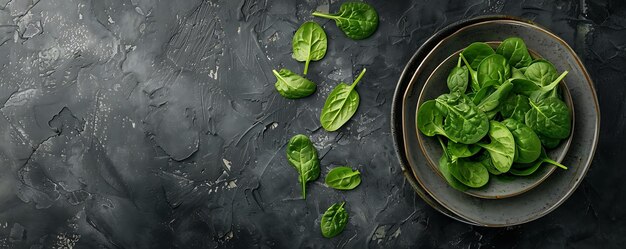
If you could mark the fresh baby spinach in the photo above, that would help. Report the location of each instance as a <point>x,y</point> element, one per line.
<point>527,143</point>
<point>430,119</point>
<point>550,118</point>
<point>302,155</point>
<point>357,20</point>
<point>458,78</point>
<point>475,53</point>
<point>515,106</point>
<point>334,220</point>
<point>293,86</point>
<point>343,178</point>
<point>309,44</point>
<point>494,69</point>
<point>464,122</point>
<point>470,173</point>
<point>515,51</point>
<point>340,105</point>
<point>492,101</point>
<point>502,146</point>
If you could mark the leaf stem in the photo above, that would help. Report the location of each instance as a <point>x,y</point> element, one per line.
<point>555,163</point>
<point>303,182</point>
<point>342,203</point>
<point>322,15</point>
<point>358,78</point>
<point>306,66</point>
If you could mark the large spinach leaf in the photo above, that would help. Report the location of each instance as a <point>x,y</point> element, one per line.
<point>309,44</point>
<point>340,105</point>
<point>494,69</point>
<point>541,72</point>
<point>515,51</point>
<point>293,86</point>
<point>550,118</point>
<point>475,53</point>
<point>515,106</point>
<point>302,155</point>
<point>357,20</point>
<point>527,143</point>
<point>502,146</point>
<point>463,123</point>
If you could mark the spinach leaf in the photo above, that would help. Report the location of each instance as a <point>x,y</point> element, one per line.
<point>463,123</point>
<point>515,107</point>
<point>430,119</point>
<point>547,90</point>
<point>473,75</point>
<point>340,105</point>
<point>493,100</point>
<point>541,72</point>
<point>550,118</point>
<point>524,86</point>
<point>458,78</point>
<point>444,168</point>
<point>494,69</point>
<point>472,174</point>
<point>483,93</point>
<point>485,160</point>
<point>356,19</point>
<point>343,178</point>
<point>334,220</point>
<point>527,143</point>
<point>502,146</point>
<point>517,73</point>
<point>548,142</point>
<point>309,44</point>
<point>515,51</point>
<point>530,168</point>
<point>458,150</point>
<point>293,86</point>
<point>475,53</point>
<point>302,155</point>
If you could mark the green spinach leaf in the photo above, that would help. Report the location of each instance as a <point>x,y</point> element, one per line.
<point>494,69</point>
<point>458,150</point>
<point>541,72</point>
<point>343,178</point>
<point>309,44</point>
<point>515,107</point>
<point>334,220</point>
<point>550,118</point>
<point>515,51</point>
<point>502,146</point>
<point>357,20</point>
<point>463,123</point>
<point>458,79</point>
<point>430,119</point>
<point>302,155</point>
<point>444,168</point>
<point>493,100</point>
<point>527,143</point>
<point>293,86</point>
<point>475,53</point>
<point>548,142</point>
<point>472,174</point>
<point>340,105</point>
<point>527,169</point>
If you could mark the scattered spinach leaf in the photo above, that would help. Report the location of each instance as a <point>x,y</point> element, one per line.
<point>334,220</point>
<point>302,155</point>
<point>343,178</point>
<point>293,86</point>
<point>309,44</point>
<point>340,105</point>
<point>357,20</point>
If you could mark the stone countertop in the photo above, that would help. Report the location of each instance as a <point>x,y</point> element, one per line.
<point>155,124</point>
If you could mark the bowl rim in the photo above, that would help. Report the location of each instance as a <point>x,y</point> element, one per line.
<point>408,73</point>
<point>476,192</point>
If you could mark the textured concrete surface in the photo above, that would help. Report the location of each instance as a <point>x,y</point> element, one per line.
<point>155,124</point>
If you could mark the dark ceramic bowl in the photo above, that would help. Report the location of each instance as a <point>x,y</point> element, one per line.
<point>536,202</point>
<point>497,187</point>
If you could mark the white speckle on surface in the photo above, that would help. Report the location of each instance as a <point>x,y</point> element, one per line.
<point>213,74</point>
<point>227,163</point>
<point>232,184</point>
<point>110,20</point>
<point>80,16</point>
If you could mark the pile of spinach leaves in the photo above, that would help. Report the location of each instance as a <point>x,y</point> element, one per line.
<point>503,110</point>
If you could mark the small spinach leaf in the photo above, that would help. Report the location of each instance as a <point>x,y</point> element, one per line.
<point>430,119</point>
<point>356,19</point>
<point>502,146</point>
<point>302,155</point>
<point>458,150</point>
<point>334,220</point>
<point>550,118</point>
<point>340,105</point>
<point>293,86</point>
<point>515,51</point>
<point>515,107</point>
<point>343,178</point>
<point>458,79</point>
<point>541,72</point>
<point>309,44</point>
<point>472,174</point>
<point>493,69</point>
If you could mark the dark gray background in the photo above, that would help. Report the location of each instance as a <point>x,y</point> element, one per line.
<point>155,124</point>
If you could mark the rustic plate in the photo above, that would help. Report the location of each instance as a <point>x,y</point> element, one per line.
<point>498,187</point>
<point>536,202</point>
